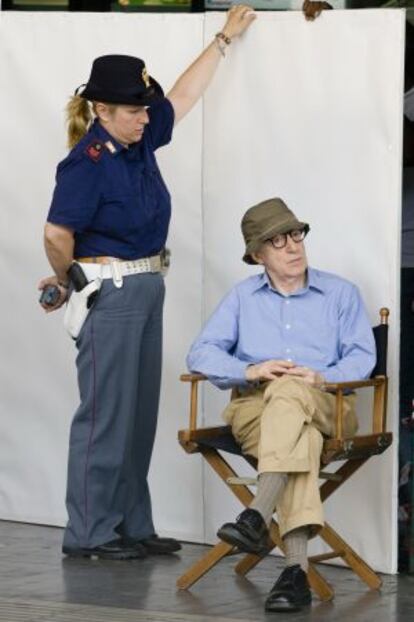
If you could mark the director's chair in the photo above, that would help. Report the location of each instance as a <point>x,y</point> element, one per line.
<point>211,442</point>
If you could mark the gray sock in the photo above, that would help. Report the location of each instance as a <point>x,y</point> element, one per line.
<point>296,547</point>
<point>269,487</point>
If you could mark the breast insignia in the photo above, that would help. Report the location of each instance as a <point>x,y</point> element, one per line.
<point>95,150</point>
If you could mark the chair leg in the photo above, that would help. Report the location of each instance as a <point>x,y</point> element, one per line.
<point>203,565</point>
<point>358,565</point>
<point>318,584</point>
<point>250,561</point>
<point>224,471</point>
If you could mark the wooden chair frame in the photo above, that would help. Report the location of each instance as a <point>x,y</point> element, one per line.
<point>354,451</point>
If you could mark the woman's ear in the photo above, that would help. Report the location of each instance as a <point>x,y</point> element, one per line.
<point>102,111</point>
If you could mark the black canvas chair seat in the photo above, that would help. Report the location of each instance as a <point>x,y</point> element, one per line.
<point>225,443</point>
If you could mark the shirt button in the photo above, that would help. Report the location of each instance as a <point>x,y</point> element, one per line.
<point>287,326</point>
<point>288,350</point>
<point>287,302</point>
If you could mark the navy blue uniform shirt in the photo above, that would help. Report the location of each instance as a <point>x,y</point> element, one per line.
<point>116,203</point>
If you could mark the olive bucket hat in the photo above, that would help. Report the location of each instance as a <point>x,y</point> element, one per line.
<point>263,221</point>
<point>120,79</point>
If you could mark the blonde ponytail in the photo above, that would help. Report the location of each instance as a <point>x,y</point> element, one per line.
<point>79,117</point>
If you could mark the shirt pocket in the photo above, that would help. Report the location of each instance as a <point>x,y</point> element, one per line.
<point>115,215</point>
<point>320,343</point>
<point>150,185</point>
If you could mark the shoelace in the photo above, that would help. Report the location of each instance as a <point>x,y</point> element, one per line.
<point>251,519</point>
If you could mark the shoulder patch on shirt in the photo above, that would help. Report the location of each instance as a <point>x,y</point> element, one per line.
<point>94,150</point>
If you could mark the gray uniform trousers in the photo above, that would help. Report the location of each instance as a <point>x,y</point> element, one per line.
<point>113,430</point>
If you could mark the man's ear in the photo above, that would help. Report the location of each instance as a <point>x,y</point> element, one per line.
<point>257,258</point>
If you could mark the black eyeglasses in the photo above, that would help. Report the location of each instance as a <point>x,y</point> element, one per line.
<point>297,235</point>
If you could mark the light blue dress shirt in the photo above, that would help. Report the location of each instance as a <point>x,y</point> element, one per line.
<point>323,326</point>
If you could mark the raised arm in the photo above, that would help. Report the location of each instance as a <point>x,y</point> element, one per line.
<point>191,85</point>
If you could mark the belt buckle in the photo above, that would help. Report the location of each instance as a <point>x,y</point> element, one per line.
<point>165,260</point>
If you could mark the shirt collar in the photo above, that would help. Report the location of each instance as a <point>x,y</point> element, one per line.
<point>314,282</point>
<point>113,146</point>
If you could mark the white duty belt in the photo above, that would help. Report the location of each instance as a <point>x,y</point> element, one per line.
<point>116,269</point>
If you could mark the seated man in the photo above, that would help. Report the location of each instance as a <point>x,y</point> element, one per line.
<point>277,337</point>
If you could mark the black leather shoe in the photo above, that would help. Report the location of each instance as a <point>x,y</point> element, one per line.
<point>115,549</point>
<point>154,545</point>
<point>290,592</point>
<point>249,533</point>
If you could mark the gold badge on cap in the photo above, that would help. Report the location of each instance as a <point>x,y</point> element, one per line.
<point>145,77</point>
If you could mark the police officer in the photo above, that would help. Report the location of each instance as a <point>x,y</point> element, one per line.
<point>110,212</point>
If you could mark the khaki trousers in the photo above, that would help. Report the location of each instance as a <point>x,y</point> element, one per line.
<point>282,424</point>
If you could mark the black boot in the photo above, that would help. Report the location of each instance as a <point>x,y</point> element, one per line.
<point>115,549</point>
<point>290,592</point>
<point>249,533</point>
<point>155,545</point>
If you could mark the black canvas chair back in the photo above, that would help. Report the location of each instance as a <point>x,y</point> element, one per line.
<point>381,342</point>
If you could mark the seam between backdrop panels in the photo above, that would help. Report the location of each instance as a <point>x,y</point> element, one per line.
<point>395,425</point>
<point>203,286</point>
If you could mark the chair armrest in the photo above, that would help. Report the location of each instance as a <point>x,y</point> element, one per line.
<point>192,377</point>
<point>379,384</point>
<point>353,384</point>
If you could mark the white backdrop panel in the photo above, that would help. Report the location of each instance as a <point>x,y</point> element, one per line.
<point>313,113</point>
<point>43,57</point>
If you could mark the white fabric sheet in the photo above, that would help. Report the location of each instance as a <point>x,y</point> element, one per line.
<point>310,112</point>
